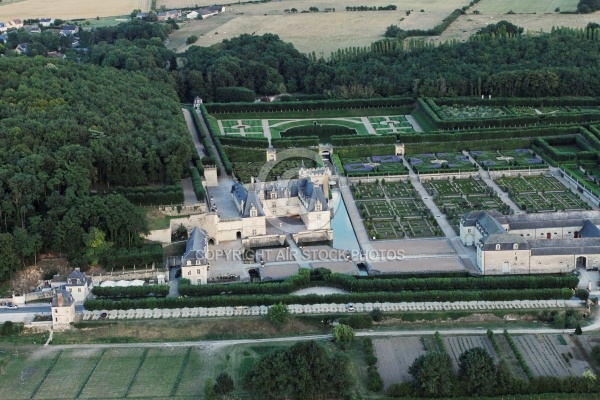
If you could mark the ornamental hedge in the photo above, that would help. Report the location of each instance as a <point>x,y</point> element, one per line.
<point>355,284</point>
<point>131,291</point>
<point>275,107</point>
<point>392,297</point>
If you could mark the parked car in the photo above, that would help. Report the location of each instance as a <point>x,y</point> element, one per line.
<point>103,315</point>
<point>12,306</point>
<point>351,307</point>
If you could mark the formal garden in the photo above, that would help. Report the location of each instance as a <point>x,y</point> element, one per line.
<point>540,194</point>
<point>372,166</point>
<point>443,162</point>
<point>455,197</point>
<point>394,210</point>
<point>507,159</point>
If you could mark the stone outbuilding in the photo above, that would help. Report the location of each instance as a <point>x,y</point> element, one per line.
<point>63,309</point>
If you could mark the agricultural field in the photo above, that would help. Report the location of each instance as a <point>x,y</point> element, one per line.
<point>394,210</point>
<point>456,345</point>
<point>459,196</point>
<point>322,32</point>
<point>551,355</point>
<point>394,357</point>
<point>275,127</point>
<point>467,25</point>
<point>524,7</point>
<point>540,194</point>
<point>501,159</point>
<point>441,162</point>
<point>546,355</point>
<point>68,9</point>
<point>375,165</point>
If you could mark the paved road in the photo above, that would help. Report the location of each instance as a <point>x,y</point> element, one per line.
<point>193,132</point>
<point>414,123</point>
<point>188,192</point>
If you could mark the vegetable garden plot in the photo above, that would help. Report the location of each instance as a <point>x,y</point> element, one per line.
<point>407,208</point>
<point>395,356</point>
<point>388,229</point>
<point>399,190</point>
<point>456,345</point>
<point>417,227</point>
<point>378,209</point>
<point>367,191</point>
<point>546,356</point>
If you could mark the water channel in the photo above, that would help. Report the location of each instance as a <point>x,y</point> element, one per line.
<point>343,233</point>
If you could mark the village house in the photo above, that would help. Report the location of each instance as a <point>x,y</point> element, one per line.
<point>46,22</point>
<point>78,285</point>
<point>15,24</point>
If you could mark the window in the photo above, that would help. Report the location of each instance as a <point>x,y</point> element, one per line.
<point>189,273</point>
<point>253,212</point>
<point>516,246</point>
<point>318,206</point>
<point>273,195</point>
<point>79,290</point>
<point>469,230</point>
<point>318,216</point>
<point>253,232</point>
<point>56,319</point>
<point>497,247</point>
<point>197,272</point>
<point>197,262</point>
<point>56,310</point>
<point>274,205</point>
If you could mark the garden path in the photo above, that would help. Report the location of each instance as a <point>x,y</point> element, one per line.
<point>367,124</point>
<point>427,199</point>
<point>414,123</point>
<point>485,176</point>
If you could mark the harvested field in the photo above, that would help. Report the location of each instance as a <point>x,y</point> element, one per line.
<point>548,355</point>
<point>320,32</point>
<point>520,6</point>
<point>68,9</point>
<point>456,345</point>
<point>395,355</point>
<point>466,25</point>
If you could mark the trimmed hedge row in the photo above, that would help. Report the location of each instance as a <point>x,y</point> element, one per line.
<point>300,141</point>
<point>222,155</point>
<point>131,291</point>
<point>217,108</point>
<point>197,184</point>
<point>360,140</point>
<point>354,284</point>
<point>241,141</point>
<point>484,283</point>
<point>266,300</point>
<point>374,381</point>
<point>518,354</point>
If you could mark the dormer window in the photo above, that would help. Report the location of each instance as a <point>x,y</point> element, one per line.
<point>516,246</point>
<point>318,206</point>
<point>253,212</point>
<point>197,262</point>
<point>497,247</point>
<point>273,195</point>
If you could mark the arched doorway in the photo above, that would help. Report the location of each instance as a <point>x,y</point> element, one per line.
<point>211,241</point>
<point>548,235</point>
<point>581,262</point>
<point>238,235</point>
<point>576,235</point>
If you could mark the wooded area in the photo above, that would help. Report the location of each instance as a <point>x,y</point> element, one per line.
<point>66,129</point>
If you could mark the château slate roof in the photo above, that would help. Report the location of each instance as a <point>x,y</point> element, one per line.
<point>195,248</point>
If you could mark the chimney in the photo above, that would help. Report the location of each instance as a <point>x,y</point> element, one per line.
<point>60,299</point>
<point>78,269</point>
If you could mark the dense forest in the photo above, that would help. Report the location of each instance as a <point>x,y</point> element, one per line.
<point>267,65</point>
<point>66,129</point>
